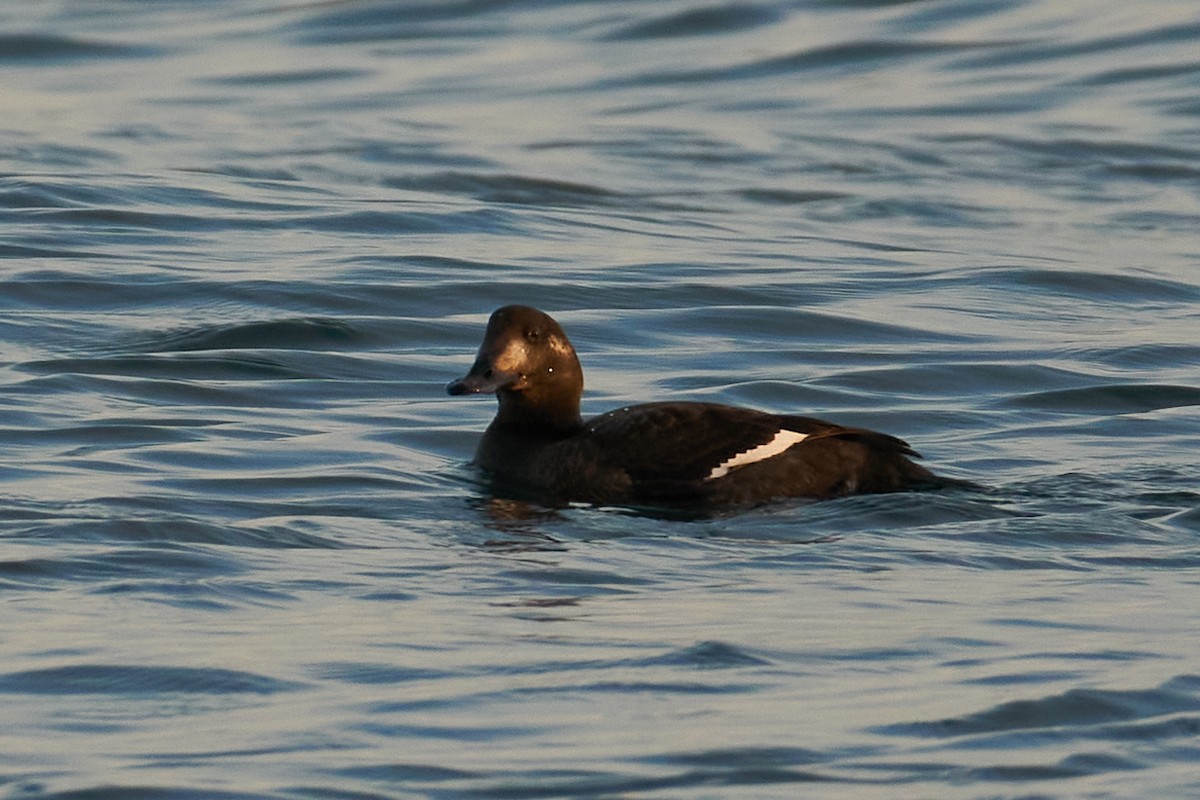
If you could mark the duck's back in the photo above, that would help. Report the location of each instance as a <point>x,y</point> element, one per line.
<point>700,453</point>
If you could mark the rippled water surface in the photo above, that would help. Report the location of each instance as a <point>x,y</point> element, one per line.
<point>245,245</point>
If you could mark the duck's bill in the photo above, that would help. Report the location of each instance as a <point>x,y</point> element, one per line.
<point>482,379</point>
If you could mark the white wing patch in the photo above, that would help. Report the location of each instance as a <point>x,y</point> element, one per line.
<point>780,442</point>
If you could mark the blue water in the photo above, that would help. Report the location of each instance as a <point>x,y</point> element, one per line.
<point>245,245</point>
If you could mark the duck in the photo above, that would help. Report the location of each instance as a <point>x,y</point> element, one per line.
<point>672,453</point>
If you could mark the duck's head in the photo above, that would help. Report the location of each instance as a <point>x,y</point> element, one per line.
<point>529,364</point>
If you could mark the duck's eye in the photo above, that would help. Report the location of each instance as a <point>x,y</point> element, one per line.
<point>533,335</point>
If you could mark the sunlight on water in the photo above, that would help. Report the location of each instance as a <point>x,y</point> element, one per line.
<point>245,249</point>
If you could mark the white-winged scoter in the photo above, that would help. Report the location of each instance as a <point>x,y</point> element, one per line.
<point>670,453</point>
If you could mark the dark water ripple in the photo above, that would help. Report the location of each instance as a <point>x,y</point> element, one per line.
<point>42,50</point>
<point>245,247</point>
<point>138,680</point>
<point>1080,710</point>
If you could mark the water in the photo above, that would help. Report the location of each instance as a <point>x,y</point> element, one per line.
<point>245,246</point>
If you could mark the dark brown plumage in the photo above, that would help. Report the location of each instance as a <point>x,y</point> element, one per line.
<point>671,453</point>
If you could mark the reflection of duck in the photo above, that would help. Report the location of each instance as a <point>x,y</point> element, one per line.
<point>671,453</point>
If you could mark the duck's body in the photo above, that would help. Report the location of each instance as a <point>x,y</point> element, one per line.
<point>671,453</point>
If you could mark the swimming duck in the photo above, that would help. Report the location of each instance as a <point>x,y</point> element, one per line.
<point>671,453</point>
